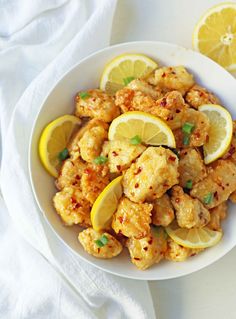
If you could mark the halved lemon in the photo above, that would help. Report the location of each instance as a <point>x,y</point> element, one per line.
<point>150,129</point>
<point>123,69</point>
<point>220,134</point>
<point>193,237</point>
<point>54,140</point>
<point>106,204</point>
<point>215,34</point>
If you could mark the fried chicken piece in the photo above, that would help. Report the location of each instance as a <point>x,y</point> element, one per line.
<point>191,167</point>
<point>121,153</point>
<point>189,212</point>
<point>73,208</point>
<point>132,219</point>
<point>218,213</point>
<point>176,252</point>
<point>218,185</point>
<point>70,173</point>
<point>94,179</point>
<point>73,146</point>
<point>198,96</point>
<point>91,143</point>
<point>163,211</point>
<point>89,239</point>
<point>174,78</point>
<point>200,131</point>
<point>154,172</point>
<point>146,251</point>
<point>98,105</point>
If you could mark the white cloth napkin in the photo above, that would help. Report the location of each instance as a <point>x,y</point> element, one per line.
<point>39,276</point>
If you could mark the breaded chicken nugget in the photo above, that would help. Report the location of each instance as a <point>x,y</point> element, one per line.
<point>198,96</point>
<point>163,211</point>
<point>218,213</point>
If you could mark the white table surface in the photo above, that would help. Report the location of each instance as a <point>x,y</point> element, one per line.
<point>209,293</point>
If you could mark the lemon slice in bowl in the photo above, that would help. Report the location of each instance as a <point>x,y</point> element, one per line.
<point>193,237</point>
<point>106,204</point>
<point>123,69</point>
<point>220,134</point>
<point>148,128</point>
<point>53,142</point>
<point>215,35</point>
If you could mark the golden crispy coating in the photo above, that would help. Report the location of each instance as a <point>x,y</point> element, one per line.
<point>200,132</point>
<point>163,212</point>
<point>218,213</point>
<point>132,219</point>
<point>121,154</point>
<point>191,167</point>
<point>232,197</point>
<point>154,172</point>
<point>94,179</point>
<point>88,239</point>
<point>220,183</point>
<point>70,173</point>
<point>97,105</point>
<point>172,109</point>
<point>146,251</point>
<point>91,143</point>
<point>189,212</point>
<point>72,206</point>
<point>231,152</point>
<point>175,252</point>
<point>174,78</point>
<point>73,146</point>
<point>198,96</point>
<point>144,87</point>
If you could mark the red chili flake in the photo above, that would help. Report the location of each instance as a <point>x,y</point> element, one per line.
<point>166,185</point>
<point>114,153</point>
<point>99,250</point>
<point>207,138</point>
<point>93,99</point>
<point>177,200</point>
<point>139,170</point>
<point>227,184</point>
<point>173,72</point>
<point>121,219</point>
<point>87,171</point>
<point>201,94</point>
<point>136,185</point>
<point>150,187</point>
<point>145,248</point>
<point>163,75</point>
<point>118,167</point>
<point>73,201</point>
<point>150,241</point>
<point>172,158</point>
<point>135,258</point>
<point>77,177</point>
<point>216,195</point>
<point>163,102</point>
<point>197,134</point>
<point>194,254</point>
<point>177,111</point>
<point>77,205</point>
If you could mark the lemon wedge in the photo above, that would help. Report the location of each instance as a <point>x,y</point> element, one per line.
<point>123,69</point>
<point>150,129</point>
<point>193,237</point>
<point>54,140</point>
<point>215,35</point>
<point>220,134</point>
<point>106,204</point>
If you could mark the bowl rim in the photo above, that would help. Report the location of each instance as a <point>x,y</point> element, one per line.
<point>30,150</point>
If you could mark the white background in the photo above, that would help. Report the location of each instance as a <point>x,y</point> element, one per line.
<point>209,293</point>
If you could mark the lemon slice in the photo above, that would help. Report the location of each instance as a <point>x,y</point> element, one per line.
<point>123,69</point>
<point>215,35</point>
<point>220,134</point>
<point>54,139</point>
<point>193,237</point>
<point>151,129</point>
<point>106,204</point>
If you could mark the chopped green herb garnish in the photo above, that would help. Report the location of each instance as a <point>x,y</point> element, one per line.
<point>64,154</point>
<point>186,139</point>
<point>102,241</point>
<point>128,80</point>
<point>187,128</point>
<point>84,95</point>
<point>135,140</point>
<point>208,198</point>
<point>100,160</point>
<point>189,184</point>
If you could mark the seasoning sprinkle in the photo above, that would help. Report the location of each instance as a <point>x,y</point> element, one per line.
<point>128,80</point>
<point>84,95</point>
<point>135,140</point>
<point>64,154</point>
<point>100,160</point>
<point>208,198</point>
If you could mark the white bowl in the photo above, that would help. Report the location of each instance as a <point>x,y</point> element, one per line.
<point>86,75</point>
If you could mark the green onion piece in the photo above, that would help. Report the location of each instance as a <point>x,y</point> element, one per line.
<point>186,139</point>
<point>102,241</point>
<point>64,154</point>
<point>100,160</point>
<point>208,198</point>
<point>135,140</point>
<point>187,128</point>
<point>84,95</point>
<point>128,80</point>
<point>189,184</point>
